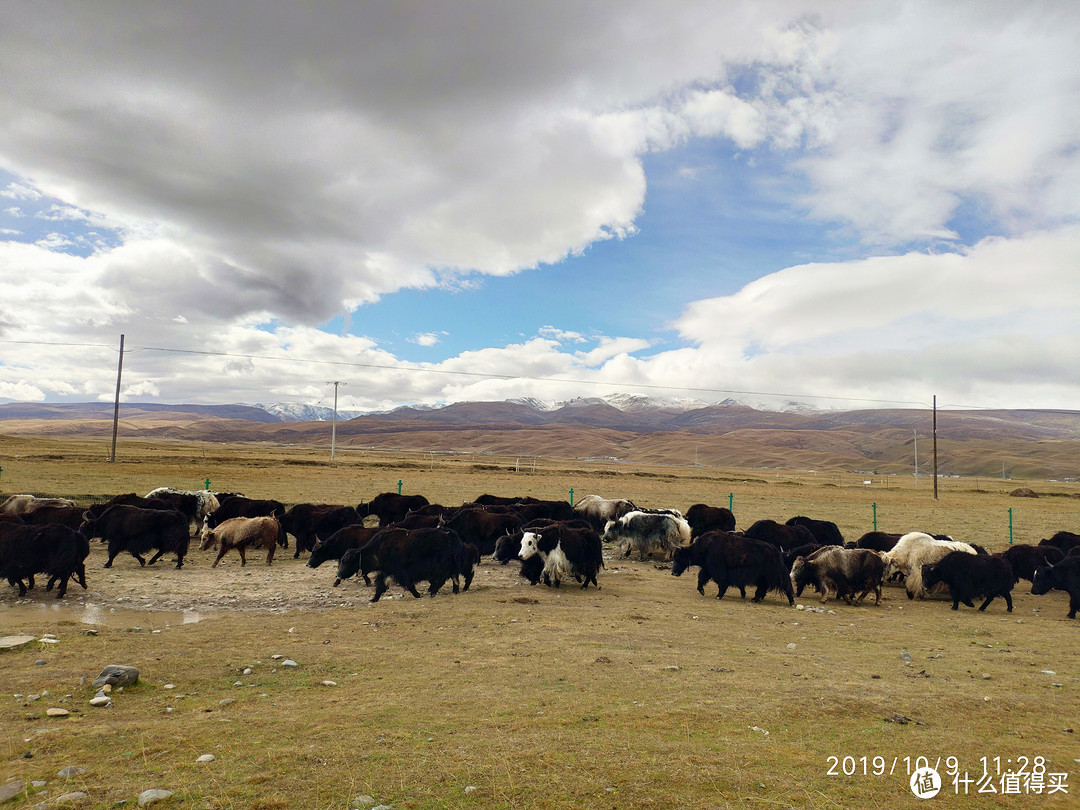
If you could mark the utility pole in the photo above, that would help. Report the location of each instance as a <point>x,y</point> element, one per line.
<point>333,429</point>
<point>935,447</point>
<point>116,404</point>
<point>915,433</point>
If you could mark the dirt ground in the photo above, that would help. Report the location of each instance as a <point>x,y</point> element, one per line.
<point>287,585</point>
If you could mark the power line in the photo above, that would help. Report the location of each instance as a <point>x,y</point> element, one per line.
<point>495,376</point>
<point>59,343</point>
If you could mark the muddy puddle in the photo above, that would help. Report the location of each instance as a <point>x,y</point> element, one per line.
<point>27,616</point>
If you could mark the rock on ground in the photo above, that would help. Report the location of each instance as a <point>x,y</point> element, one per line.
<point>10,790</point>
<point>117,675</point>
<point>153,795</point>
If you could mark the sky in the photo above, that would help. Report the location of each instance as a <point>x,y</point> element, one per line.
<point>845,204</point>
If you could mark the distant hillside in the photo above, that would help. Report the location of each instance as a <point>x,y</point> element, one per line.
<point>130,410</point>
<point>1025,444</point>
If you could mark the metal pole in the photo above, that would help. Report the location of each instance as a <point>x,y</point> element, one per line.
<point>333,428</point>
<point>935,447</point>
<point>916,434</point>
<point>116,404</point>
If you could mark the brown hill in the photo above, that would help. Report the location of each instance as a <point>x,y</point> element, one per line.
<point>1023,444</point>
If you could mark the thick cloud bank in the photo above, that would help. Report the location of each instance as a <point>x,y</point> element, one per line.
<point>228,178</point>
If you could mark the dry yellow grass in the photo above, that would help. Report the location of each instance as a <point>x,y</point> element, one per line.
<point>641,694</point>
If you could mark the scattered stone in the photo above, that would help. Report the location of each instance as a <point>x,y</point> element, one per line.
<point>57,712</point>
<point>153,795</point>
<point>117,675</point>
<point>277,657</point>
<point>288,662</point>
<point>363,801</point>
<point>9,790</point>
<point>206,758</point>
<point>70,771</point>
<point>759,730</point>
<point>247,671</point>
<point>40,662</point>
<point>986,676</point>
<point>791,645</point>
<point>38,783</point>
<point>470,789</point>
<point>329,683</point>
<point>102,701</point>
<point>383,807</point>
<point>73,797</point>
<point>32,698</point>
<point>238,683</point>
<point>226,701</point>
<point>906,656</point>
<point>292,629</point>
<point>1048,672</point>
<point>169,686</point>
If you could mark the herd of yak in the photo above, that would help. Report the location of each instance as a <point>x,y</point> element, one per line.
<point>416,541</point>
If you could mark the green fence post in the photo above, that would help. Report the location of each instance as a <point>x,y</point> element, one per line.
<point>571,496</point>
<point>874,504</point>
<point>399,483</point>
<point>207,484</point>
<point>730,501</point>
<point>1010,527</point>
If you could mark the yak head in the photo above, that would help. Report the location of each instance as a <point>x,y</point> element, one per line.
<point>530,545</point>
<point>208,538</point>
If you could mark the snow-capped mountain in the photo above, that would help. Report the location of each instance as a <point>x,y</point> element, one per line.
<point>635,404</point>
<point>295,412</point>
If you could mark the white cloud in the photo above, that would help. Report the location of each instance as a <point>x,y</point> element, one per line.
<point>610,348</point>
<point>265,170</point>
<point>426,338</point>
<point>54,241</point>
<point>561,335</point>
<point>19,191</point>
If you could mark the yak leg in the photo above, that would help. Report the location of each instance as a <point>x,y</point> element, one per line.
<point>759,592</point>
<point>406,582</point>
<point>243,557</point>
<point>380,586</point>
<point>221,553</point>
<point>703,577</point>
<point>270,552</point>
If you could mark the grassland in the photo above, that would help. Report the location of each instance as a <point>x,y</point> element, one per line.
<point>642,694</point>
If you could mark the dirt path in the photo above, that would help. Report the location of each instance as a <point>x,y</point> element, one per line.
<point>287,585</point>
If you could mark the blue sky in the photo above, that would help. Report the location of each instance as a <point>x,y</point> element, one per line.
<point>709,225</point>
<point>829,200</point>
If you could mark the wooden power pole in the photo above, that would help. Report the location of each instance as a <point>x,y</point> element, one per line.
<point>116,404</point>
